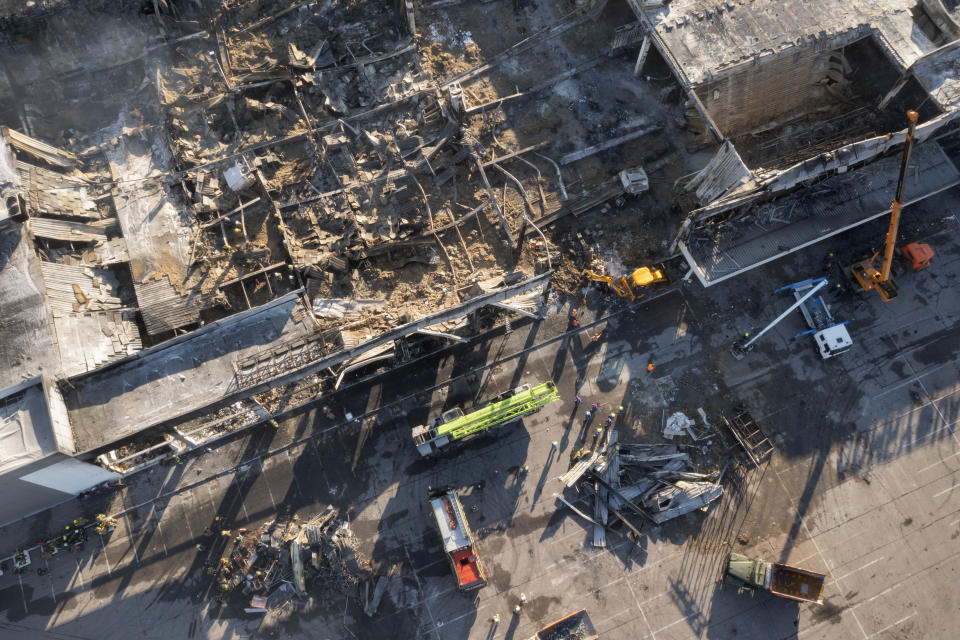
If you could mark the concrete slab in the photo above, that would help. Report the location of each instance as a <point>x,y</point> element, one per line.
<point>27,342</point>
<point>176,376</point>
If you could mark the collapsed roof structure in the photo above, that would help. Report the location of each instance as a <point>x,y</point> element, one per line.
<point>805,94</point>
<point>214,202</point>
<point>263,193</point>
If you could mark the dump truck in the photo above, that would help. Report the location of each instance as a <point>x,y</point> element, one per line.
<point>454,425</point>
<point>458,544</point>
<point>779,579</point>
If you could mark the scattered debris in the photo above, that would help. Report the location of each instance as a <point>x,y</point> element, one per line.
<point>677,424</point>
<point>283,560</point>
<point>654,482</point>
<point>574,626</point>
<point>749,436</point>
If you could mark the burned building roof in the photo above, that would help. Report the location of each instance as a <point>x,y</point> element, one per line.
<point>757,232</point>
<point>177,376</point>
<point>27,344</point>
<point>710,39</point>
<point>212,169</point>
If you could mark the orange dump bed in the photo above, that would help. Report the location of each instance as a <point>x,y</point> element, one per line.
<point>467,566</point>
<point>797,584</point>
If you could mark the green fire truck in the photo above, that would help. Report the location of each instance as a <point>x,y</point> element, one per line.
<point>453,425</point>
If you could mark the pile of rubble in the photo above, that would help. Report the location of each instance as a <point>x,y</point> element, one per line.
<point>282,560</point>
<point>573,631</point>
<point>574,626</point>
<point>639,483</point>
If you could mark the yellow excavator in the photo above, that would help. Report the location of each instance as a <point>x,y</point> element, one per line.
<point>866,273</point>
<point>642,277</point>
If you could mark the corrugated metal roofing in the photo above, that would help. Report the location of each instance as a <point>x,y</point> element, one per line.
<point>163,309</point>
<point>66,230</point>
<point>97,288</point>
<point>724,173</point>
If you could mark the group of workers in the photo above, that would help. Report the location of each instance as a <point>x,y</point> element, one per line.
<point>575,323</point>
<point>73,537</point>
<point>594,409</point>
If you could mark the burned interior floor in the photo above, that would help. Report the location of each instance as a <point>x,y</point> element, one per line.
<point>275,235</point>
<point>208,162</point>
<point>315,147</point>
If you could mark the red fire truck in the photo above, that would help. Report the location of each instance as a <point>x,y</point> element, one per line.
<point>458,541</point>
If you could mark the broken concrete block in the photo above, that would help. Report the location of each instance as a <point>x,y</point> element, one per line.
<point>677,425</point>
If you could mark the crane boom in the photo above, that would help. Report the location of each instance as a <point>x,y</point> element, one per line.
<point>454,425</point>
<point>891,239</point>
<point>866,272</point>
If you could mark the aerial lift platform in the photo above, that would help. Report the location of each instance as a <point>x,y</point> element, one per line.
<point>831,336</point>
<point>453,425</point>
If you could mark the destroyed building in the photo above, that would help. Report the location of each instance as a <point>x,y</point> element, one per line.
<point>264,195</point>
<point>809,104</point>
<point>216,202</point>
<point>216,215</point>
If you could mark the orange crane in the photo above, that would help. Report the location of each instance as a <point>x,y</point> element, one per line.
<point>866,272</point>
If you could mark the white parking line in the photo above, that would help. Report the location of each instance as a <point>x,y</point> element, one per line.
<point>639,608</point>
<point>53,591</point>
<point>651,599</point>
<point>133,544</point>
<point>686,617</point>
<point>939,462</point>
<point>806,462</point>
<point>22,594</point>
<point>79,573</point>
<point>909,381</point>
<point>610,584</point>
<point>186,519</point>
<point>872,598</point>
<point>890,626</point>
<point>947,490</point>
<point>270,493</point>
<point>801,561</point>
<point>855,570</point>
<point>160,531</point>
<point>105,558</point>
<point>813,539</point>
<point>293,470</point>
